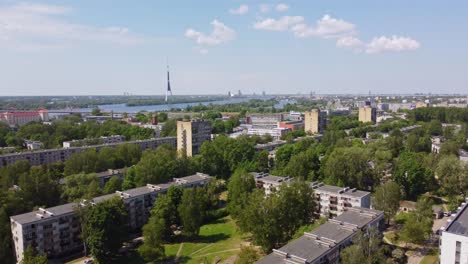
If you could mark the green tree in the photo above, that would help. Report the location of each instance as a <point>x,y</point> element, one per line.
<point>32,188</point>
<point>387,198</point>
<point>366,249</point>
<point>412,175</point>
<point>247,255</point>
<point>154,232</point>
<point>31,257</point>
<point>106,228</point>
<point>274,219</point>
<point>418,226</point>
<point>114,184</point>
<point>81,186</point>
<point>240,185</point>
<point>191,212</point>
<point>349,167</point>
<point>263,161</point>
<point>156,166</point>
<point>452,175</point>
<point>169,128</point>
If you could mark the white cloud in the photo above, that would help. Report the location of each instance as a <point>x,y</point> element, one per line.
<point>265,8</point>
<point>220,34</point>
<point>282,24</point>
<point>329,27</point>
<point>282,7</point>
<point>326,27</point>
<point>395,43</point>
<point>350,42</point>
<point>243,9</point>
<point>40,26</point>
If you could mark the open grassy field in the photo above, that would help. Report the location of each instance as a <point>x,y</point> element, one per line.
<point>218,239</point>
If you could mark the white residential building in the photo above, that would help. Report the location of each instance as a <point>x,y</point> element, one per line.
<point>453,242</point>
<point>332,200</point>
<point>56,230</point>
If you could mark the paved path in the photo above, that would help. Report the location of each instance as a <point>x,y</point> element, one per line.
<point>179,251</point>
<point>222,251</point>
<point>201,249</point>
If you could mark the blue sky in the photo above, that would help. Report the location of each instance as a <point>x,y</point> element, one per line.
<point>110,47</point>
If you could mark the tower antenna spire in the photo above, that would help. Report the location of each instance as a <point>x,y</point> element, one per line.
<point>168,82</point>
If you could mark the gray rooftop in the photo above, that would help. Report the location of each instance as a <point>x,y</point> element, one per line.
<point>313,245</point>
<point>358,216</point>
<point>344,191</point>
<point>68,208</point>
<point>459,224</point>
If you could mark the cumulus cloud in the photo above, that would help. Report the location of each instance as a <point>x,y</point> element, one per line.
<point>282,7</point>
<point>37,27</point>
<point>394,43</point>
<point>243,9</point>
<point>350,42</point>
<point>220,34</point>
<point>344,31</point>
<point>282,24</point>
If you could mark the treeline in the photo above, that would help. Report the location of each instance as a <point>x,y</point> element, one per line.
<point>72,127</point>
<point>442,114</point>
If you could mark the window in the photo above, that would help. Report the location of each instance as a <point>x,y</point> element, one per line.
<point>457,252</point>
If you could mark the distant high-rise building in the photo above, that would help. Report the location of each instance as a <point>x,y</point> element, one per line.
<point>191,135</point>
<point>367,114</point>
<point>263,93</point>
<point>239,93</point>
<point>315,121</point>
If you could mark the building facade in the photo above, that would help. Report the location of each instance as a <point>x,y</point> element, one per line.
<point>56,231</point>
<point>264,120</point>
<point>22,118</point>
<point>315,121</point>
<point>293,125</point>
<point>367,114</point>
<point>191,135</point>
<point>453,242</point>
<point>47,156</point>
<point>332,201</point>
<point>324,244</point>
<point>93,141</point>
<point>276,133</point>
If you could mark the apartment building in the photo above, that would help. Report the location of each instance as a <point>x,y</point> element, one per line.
<point>332,201</point>
<point>367,114</point>
<point>264,120</point>
<point>47,156</point>
<point>93,141</point>
<point>453,242</point>
<point>56,230</point>
<point>191,135</point>
<point>324,244</point>
<point>315,121</point>
<point>276,133</point>
<point>22,118</point>
<point>105,176</point>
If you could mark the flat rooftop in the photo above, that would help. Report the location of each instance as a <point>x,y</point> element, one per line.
<point>43,213</point>
<point>459,224</point>
<point>313,245</point>
<point>344,191</point>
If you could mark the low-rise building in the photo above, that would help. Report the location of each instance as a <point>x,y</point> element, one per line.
<point>453,242</point>
<point>332,201</point>
<point>24,117</point>
<point>276,133</point>
<point>264,120</point>
<point>47,156</point>
<point>292,125</point>
<point>93,141</point>
<point>33,145</point>
<point>105,176</point>
<point>324,244</point>
<point>56,231</point>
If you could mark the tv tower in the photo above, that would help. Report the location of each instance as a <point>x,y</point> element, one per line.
<point>168,84</point>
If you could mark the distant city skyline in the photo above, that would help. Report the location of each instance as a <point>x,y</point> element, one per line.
<point>280,47</point>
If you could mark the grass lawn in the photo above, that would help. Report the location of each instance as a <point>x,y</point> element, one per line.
<point>218,239</point>
<point>430,259</point>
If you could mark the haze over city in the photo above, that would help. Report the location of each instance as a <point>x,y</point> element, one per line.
<point>112,47</point>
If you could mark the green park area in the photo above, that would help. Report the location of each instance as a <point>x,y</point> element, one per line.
<point>217,240</point>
